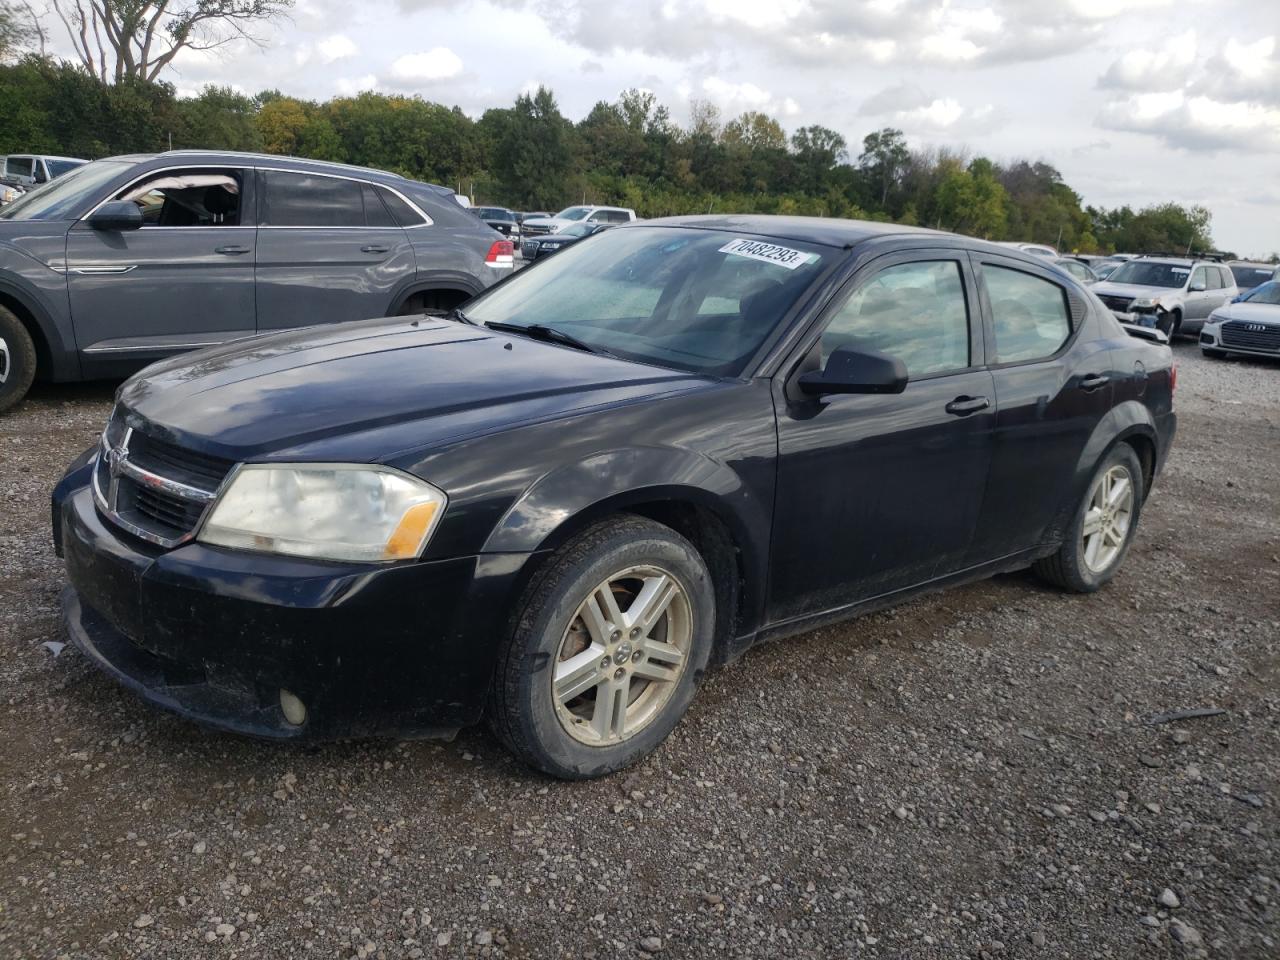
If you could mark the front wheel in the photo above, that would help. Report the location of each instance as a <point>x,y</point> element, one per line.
<point>608,650</point>
<point>17,360</point>
<point>1103,526</point>
<point>1169,323</point>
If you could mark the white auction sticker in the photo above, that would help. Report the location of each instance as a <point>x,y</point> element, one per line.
<point>767,252</point>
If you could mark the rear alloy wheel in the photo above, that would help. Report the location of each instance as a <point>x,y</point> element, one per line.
<point>17,360</point>
<point>1103,526</point>
<point>605,658</point>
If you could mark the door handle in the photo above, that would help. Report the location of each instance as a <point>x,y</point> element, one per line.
<point>374,248</point>
<point>1094,381</point>
<point>963,406</point>
<point>231,251</point>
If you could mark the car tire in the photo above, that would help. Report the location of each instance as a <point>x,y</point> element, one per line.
<point>1098,538</point>
<point>17,360</point>
<point>1213,354</point>
<point>545,702</point>
<point>1170,323</point>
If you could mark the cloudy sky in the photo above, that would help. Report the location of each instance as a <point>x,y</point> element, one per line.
<point>1135,101</point>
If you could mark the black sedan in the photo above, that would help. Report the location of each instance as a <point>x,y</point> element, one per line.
<point>500,218</point>
<point>557,509</point>
<point>534,247</point>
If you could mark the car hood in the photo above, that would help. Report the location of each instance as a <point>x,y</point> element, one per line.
<point>372,390</point>
<point>1250,312</point>
<point>1105,288</point>
<point>549,222</point>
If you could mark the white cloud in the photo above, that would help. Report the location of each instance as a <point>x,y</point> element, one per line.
<point>337,47</point>
<point>438,63</point>
<point>350,86</point>
<point>733,98</point>
<point>1165,68</point>
<point>1196,122</point>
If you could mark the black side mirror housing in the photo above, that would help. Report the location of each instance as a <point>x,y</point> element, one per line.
<point>117,215</point>
<point>856,371</point>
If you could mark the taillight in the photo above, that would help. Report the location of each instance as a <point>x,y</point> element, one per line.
<point>501,254</point>
<point>1173,378</point>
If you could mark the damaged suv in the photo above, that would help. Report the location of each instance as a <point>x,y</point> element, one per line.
<point>1173,294</point>
<point>558,507</point>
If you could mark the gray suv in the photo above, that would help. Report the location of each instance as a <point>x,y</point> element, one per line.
<point>1175,294</point>
<point>128,260</point>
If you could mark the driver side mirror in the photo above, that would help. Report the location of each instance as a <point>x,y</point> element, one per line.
<point>856,371</point>
<point>117,215</point>
<point>1198,287</point>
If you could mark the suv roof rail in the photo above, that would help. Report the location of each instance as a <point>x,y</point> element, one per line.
<point>1212,255</point>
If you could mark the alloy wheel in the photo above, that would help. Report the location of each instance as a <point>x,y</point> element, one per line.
<point>622,656</point>
<point>1107,519</point>
<point>6,361</point>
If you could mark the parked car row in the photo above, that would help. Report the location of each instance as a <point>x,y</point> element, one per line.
<point>125,261</point>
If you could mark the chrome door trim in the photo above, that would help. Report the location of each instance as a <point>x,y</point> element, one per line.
<point>104,271</point>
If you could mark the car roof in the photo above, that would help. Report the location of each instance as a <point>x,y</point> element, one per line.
<point>1260,264</point>
<point>47,156</point>
<point>824,230</point>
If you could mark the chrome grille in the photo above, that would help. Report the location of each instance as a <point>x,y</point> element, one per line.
<point>154,489</point>
<point>1251,336</point>
<point>1119,304</point>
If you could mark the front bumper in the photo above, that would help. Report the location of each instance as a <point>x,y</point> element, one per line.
<point>1254,343</point>
<point>214,635</point>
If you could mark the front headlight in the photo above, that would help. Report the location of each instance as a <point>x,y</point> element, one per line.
<point>1145,302</point>
<point>554,228</point>
<point>331,511</point>
<point>1215,317</point>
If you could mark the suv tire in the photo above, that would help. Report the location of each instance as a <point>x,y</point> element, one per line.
<point>17,360</point>
<point>1099,536</point>
<point>1172,328</point>
<point>626,612</point>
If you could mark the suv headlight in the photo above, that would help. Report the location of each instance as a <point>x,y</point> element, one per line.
<point>554,228</point>
<point>1145,302</point>
<point>330,511</point>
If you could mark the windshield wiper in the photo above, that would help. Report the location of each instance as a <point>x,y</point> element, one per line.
<point>457,314</point>
<point>540,331</point>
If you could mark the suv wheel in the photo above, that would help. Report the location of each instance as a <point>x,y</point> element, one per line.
<point>1102,528</point>
<point>1170,323</point>
<point>17,360</point>
<point>610,645</point>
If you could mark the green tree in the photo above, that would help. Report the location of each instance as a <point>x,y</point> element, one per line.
<point>534,156</point>
<point>883,161</point>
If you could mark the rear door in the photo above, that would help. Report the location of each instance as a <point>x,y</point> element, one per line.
<point>184,280</point>
<point>329,250</point>
<point>1051,388</point>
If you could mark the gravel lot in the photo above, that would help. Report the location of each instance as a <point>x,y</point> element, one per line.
<point>969,775</point>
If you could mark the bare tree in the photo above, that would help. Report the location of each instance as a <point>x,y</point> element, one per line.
<point>19,29</point>
<point>115,39</point>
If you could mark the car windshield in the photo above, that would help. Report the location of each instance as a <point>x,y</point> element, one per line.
<point>696,300</point>
<point>1268,292</point>
<point>58,167</point>
<point>573,213</point>
<point>63,198</point>
<point>1247,277</point>
<point>1144,273</point>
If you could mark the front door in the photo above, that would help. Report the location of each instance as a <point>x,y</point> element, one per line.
<point>183,280</point>
<point>878,493</point>
<point>329,250</point>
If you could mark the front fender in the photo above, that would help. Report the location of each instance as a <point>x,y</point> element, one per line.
<point>42,293</point>
<point>569,499</point>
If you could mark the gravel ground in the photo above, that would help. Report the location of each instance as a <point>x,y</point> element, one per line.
<point>970,775</point>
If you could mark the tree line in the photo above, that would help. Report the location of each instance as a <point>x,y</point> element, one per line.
<point>628,152</point>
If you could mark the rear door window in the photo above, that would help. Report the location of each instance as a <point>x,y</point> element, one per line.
<point>307,200</point>
<point>1030,314</point>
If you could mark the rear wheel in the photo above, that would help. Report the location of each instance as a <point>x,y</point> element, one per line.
<point>433,303</point>
<point>607,653</point>
<point>1103,526</point>
<point>17,360</point>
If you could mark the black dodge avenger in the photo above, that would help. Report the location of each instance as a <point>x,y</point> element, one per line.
<point>558,507</point>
